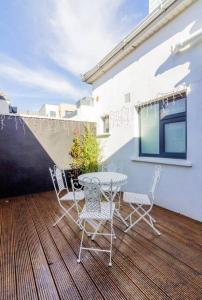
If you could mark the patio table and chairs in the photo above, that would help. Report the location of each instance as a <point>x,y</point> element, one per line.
<point>99,191</point>
<point>108,190</point>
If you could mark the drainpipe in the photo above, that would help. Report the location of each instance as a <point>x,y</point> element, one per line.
<point>187,43</point>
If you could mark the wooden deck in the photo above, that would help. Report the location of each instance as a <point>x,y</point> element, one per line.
<point>38,261</point>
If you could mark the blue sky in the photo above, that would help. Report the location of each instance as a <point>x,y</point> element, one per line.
<point>46,45</point>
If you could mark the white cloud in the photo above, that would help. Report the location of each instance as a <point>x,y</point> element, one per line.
<point>82,32</point>
<point>69,34</point>
<point>40,78</point>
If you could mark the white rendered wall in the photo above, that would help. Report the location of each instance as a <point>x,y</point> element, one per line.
<point>152,69</point>
<point>4,107</point>
<point>47,108</point>
<point>85,113</point>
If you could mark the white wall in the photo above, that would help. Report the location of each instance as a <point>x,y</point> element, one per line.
<point>152,69</point>
<point>47,108</point>
<point>85,113</point>
<point>4,107</point>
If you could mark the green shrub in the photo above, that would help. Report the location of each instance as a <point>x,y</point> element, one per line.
<point>75,153</point>
<point>85,152</point>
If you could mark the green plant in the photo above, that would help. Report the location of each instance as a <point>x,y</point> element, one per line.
<point>75,153</point>
<point>85,152</point>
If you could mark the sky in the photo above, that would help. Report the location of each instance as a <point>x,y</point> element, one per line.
<point>47,44</point>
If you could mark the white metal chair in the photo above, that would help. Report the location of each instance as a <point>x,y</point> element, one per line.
<point>138,201</point>
<point>113,167</point>
<point>96,210</point>
<point>63,194</point>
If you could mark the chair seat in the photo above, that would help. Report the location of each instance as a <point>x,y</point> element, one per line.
<point>136,198</point>
<point>70,196</point>
<point>104,214</point>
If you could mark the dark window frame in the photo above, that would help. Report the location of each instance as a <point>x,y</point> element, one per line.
<point>106,129</point>
<point>173,118</point>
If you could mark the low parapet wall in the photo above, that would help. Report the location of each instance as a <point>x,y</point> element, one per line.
<point>28,147</point>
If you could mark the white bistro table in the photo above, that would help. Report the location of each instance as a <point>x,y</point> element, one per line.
<point>105,179</point>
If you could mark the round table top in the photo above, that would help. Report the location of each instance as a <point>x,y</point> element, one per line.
<point>105,178</point>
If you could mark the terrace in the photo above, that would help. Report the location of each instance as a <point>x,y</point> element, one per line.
<point>145,117</point>
<point>39,261</point>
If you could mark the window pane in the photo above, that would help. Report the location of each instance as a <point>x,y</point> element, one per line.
<point>52,114</point>
<point>150,129</point>
<point>175,137</point>
<point>105,124</point>
<point>173,107</point>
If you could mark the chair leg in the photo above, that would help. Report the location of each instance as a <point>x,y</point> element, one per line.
<point>66,213</point>
<point>96,230</point>
<point>81,244</point>
<point>120,217</point>
<point>143,217</point>
<point>114,235</point>
<point>111,240</point>
<point>136,221</point>
<point>119,201</point>
<point>134,209</point>
<point>150,223</point>
<point>151,218</point>
<point>59,219</point>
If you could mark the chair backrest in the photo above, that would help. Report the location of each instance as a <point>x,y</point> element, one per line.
<point>155,181</point>
<point>76,187</point>
<point>58,179</point>
<point>92,192</point>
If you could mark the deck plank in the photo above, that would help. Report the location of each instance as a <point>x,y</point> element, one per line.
<point>7,256</point>
<point>111,287</point>
<point>26,288</point>
<point>187,254</point>
<point>123,264</point>
<point>38,261</point>
<point>44,281</point>
<point>73,271</point>
<point>180,229</point>
<point>171,282</point>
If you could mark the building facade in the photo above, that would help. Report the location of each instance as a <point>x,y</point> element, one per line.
<point>5,105</point>
<point>62,110</point>
<point>148,106</point>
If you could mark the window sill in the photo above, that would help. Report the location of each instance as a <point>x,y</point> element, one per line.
<point>103,135</point>
<point>163,161</point>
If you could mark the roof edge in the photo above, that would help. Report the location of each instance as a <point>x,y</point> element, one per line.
<point>149,26</point>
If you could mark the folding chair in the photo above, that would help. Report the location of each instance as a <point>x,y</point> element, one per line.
<point>138,201</point>
<point>63,194</point>
<point>96,210</point>
<point>117,167</point>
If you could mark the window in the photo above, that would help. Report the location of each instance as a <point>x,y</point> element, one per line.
<point>67,114</point>
<point>127,98</point>
<point>163,128</point>
<point>52,114</point>
<point>105,121</point>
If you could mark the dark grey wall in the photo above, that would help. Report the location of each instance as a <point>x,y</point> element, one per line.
<point>24,162</point>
